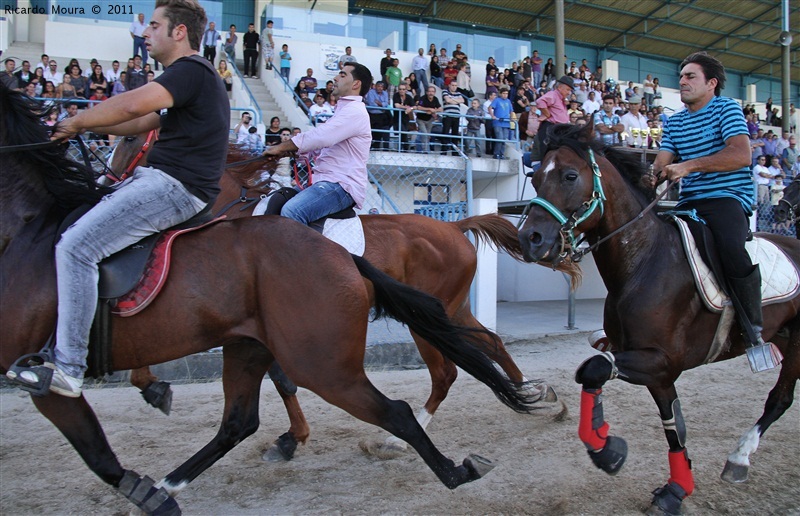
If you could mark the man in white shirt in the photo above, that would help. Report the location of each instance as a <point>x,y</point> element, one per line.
<point>44,63</point>
<point>591,105</point>
<point>52,74</point>
<point>420,66</point>
<point>137,30</point>
<point>763,177</point>
<point>112,75</point>
<point>320,111</point>
<point>634,123</point>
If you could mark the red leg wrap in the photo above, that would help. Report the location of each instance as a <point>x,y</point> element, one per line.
<point>592,429</point>
<point>680,470</point>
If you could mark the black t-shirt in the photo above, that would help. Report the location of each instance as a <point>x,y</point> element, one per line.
<point>193,142</point>
<point>250,40</point>
<point>272,138</point>
<point>424,102</point>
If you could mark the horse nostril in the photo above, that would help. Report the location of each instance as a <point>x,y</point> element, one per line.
<point>536,238</point>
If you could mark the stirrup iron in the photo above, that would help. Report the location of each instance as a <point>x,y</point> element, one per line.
<point>763,357</point>
<point>41,364</point>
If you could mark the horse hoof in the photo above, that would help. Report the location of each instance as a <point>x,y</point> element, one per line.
<point>274,454</point>
<point>611,458</point>
<point>382,450</point>
<point>734,473</point>
<point>159,395</point>
<point>478,465</point>
<point>667,500</point>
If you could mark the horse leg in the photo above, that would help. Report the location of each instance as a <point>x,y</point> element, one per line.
<point>778,402</point>
<point>668,499</point>
<point>243,370</point>
<point>356,395</point>
<point>641,367</point>
<point>282,450</point>
<point>76,420</point>
<point>154,391</point>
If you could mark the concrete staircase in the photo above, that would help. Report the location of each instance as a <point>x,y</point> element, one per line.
<point>265,100</point>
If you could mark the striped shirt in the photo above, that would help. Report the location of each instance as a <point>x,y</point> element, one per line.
<point>703,133</point>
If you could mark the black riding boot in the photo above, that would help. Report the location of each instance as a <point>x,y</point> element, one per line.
<point>746,297</point>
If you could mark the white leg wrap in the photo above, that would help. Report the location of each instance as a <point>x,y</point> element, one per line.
<point>173,490</point>
<point>747,445</point>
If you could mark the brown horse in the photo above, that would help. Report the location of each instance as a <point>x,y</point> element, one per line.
<point>428,254</point>
<point>654,316</point>
<point>229,286</point>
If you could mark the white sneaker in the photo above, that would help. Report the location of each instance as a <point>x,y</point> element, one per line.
<point>66,385</point>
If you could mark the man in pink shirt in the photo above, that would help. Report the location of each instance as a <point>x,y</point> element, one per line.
<point>339,148</point>
<point>553,106</point>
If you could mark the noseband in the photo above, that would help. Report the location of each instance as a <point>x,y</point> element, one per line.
<point>569,242</point>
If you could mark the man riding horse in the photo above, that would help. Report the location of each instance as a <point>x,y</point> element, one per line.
<point>189,103</point>
<point>711,137</point>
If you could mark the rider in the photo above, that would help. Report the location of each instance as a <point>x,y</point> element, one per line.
<point>711,137</point>
<point>190,105</point>
<point>339,148</point>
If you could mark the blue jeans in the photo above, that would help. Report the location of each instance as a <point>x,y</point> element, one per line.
<point>285,73</point>
<point>138,43</point>
<point>422,82</point>
<point>147,203</point>
<point>501,133</point>
<point>317,201</point>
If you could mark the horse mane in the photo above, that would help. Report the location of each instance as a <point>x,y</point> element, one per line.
<point>70,183</point>
<point>628,164</point>
<point>250,175</point>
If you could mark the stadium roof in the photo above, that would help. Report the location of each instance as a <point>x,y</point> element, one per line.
<point>743,34</point>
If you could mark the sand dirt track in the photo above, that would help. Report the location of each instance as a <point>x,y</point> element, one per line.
<point>542,467</point>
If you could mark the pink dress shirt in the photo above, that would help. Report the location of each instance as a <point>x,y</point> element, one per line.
<point>340,147</point>
<point>554,102</point>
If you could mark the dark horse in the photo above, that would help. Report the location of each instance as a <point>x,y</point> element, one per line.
<point>653,316</point>
<point>231,284</point>
<point>788,207</point>
<point>430,255</point>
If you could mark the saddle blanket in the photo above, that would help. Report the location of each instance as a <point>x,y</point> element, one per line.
<point>348,233</point>
<point>779,277</point>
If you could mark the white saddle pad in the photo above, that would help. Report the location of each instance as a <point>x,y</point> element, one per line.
<point>779,277</point>
<point>348,233</point>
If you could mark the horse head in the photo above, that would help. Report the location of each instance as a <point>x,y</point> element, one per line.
<point>569,195</point>
<point>788,205</point>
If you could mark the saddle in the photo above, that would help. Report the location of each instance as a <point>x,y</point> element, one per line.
<point>129,281</point>
<point>780,278</point>
<point>343,227</point>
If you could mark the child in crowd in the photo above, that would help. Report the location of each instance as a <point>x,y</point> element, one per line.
<point>475,117</point>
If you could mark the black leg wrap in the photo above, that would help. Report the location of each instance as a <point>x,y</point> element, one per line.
<point>669,498</point>
<point>612,457</point>
<point>141,491</point>
<point>277,375</point>
<point>594,372</point>
<point>159,395</point>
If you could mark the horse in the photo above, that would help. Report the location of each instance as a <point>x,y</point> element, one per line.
<point>787,208</point>
<point>430,255</point>
<point>229,286</point>
<point>653,315</point>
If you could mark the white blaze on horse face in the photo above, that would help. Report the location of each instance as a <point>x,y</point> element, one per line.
<point>547,169</point>
<point>747,445</point>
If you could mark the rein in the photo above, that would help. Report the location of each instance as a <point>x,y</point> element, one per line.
<point>28,146</point>
<point>569,224</point>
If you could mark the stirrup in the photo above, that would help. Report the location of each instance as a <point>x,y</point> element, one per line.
<point>41,364</point>
<point>763,356</point>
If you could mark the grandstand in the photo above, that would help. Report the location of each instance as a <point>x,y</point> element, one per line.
<point>434,184</point>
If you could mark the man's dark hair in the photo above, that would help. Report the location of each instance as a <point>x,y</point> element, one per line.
<point>188,13</point>
<point>114,61</point>
<point>286,129</point>
<point>712,68</point>
<point>361,73</point>
<point>609,97</point>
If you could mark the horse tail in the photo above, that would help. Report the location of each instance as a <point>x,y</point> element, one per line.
<point>495,231</point>
<point>425,315</point>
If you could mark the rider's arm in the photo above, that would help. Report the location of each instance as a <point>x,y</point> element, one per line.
<point>734,156</point>
<point>112,115</point>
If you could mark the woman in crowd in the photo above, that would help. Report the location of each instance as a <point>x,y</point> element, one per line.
<point>436,71</point>
<point>98,79</point>
<point>66,90</point>
<point>225,75</point>
<point>413,84</point>
<point>549,71</point>
<point>68,68</point>
<point>301,87</point>
<point>432,50</point>
<point>78,81</point>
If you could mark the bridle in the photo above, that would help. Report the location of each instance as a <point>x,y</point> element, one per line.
<point>792,216</point>
<point>152,136</point>
<point>569,241</point>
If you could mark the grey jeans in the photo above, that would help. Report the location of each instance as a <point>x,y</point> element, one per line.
<point>146,203</point>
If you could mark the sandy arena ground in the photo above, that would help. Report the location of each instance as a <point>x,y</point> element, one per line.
<point>542,467</point>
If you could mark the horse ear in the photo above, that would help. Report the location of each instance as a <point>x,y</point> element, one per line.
<point>587,132</point>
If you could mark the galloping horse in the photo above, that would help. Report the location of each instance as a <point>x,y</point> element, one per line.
<point>788,207</point>
<point>428,254</point>
<point>653,315</point>
<point>228,286</point>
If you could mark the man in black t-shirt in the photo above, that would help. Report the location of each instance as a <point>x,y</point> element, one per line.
<point>427,108</point>
<point>190,105</point>
<point>252,46</point>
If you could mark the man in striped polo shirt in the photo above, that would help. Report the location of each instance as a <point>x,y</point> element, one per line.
<point>710,136</point>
